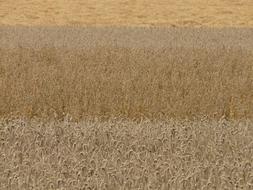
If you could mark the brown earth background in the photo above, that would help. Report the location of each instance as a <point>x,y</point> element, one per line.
<point>236,13</point>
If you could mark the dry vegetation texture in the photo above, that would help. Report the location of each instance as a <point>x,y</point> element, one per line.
<point>128,12</point>
<point>131,72</point>
<point>121,154</point>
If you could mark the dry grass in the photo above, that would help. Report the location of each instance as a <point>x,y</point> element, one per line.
<point>122,154</point>
<point>196,73</point>
<point>128,12</point>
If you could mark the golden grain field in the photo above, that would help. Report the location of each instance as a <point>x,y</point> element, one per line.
<point>123,154</point>
<point>129,94</point>
<point>156,78</point>
<point>218,13</point>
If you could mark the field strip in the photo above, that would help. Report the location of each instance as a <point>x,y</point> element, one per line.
<point>131,72</point>
<point>180,13</point>
<point>122,153</point>
<point>157,37</point>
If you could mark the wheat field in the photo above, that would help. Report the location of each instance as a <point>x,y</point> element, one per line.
<point>126,108</point>
<point>161,73</point>
<point>129,94</point>
<point>123,154</point>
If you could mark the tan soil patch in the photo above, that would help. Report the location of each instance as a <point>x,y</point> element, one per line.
<point>127,12</point>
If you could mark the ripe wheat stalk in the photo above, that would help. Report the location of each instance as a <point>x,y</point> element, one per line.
<point>125,154</point>
<point>126,82</point>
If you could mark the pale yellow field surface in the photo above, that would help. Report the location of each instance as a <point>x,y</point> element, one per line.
<point>215,13</point>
